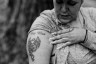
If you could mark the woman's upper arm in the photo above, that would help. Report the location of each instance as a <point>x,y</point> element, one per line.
<point>38,47</point>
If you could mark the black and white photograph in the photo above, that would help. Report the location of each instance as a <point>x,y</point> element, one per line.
<point>47,31</point>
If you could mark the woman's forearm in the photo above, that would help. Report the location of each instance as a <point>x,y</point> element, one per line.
<point>90,41</point>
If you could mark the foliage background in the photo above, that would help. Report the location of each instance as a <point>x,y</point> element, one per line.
<point>16,17</point>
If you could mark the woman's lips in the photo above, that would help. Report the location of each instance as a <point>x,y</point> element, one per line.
<point>65,16</point>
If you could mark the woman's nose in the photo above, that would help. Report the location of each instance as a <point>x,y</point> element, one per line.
<point>64,8</point>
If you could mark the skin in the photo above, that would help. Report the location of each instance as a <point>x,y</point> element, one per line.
<point>77,34</point>
<point>33,45</point>
<point>38,47</point>
<point>67,10</point>
<point>68,38</point>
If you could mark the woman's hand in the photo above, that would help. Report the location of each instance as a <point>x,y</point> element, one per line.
<point>73,36</point>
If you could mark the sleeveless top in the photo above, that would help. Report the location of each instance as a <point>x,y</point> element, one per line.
<point>75,54</point>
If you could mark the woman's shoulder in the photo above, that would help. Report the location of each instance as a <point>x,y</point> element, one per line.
<point>89,14</point>
<point>47,13</point>
<point>45,16</point>
<point>88,9</point>
<point>43,21</point>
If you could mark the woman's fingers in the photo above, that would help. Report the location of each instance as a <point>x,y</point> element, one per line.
<point>62,31</point>
<point>56,37</point>
<point>63,40</point>
<point>64,45</point>
<point>60,34</point>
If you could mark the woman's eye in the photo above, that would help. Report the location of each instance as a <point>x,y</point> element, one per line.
<point>59,1</point>
<point>72,3</point>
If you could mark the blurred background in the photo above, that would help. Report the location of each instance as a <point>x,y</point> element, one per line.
<point>16,17</point>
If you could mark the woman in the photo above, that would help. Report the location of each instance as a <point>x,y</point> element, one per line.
<point>63,35</point>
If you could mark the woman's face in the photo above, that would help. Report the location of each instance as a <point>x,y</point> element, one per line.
<point>67,10</point>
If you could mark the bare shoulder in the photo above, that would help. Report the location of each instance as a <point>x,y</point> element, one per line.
<point>40,35</point>
<point>38,45</point>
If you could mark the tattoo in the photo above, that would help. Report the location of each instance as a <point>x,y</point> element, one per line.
<point>33,45</point>
<point>41,33</point>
